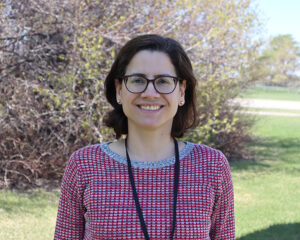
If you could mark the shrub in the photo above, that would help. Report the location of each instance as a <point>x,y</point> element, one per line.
<point>54,56</point>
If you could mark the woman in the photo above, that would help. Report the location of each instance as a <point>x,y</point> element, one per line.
<point>148,185</point>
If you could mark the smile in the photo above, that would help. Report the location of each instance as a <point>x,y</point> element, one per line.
<point>150,107</point>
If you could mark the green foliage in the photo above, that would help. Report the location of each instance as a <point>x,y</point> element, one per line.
<point>279,61</point>
<point>54,83</point>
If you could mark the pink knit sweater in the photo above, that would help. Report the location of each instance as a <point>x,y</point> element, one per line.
<point>96,200</point>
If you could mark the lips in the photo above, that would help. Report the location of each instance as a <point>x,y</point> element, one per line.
<point>150,107</point>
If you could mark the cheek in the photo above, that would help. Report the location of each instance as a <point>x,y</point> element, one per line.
<point>123,95</point>
<point>174,101</point>
<point>127,102</point>
<point>175,98</point>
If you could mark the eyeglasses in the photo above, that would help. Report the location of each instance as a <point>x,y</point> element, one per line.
<point>163,84</point>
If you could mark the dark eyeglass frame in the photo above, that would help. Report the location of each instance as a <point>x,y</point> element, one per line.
<point>125,78</point>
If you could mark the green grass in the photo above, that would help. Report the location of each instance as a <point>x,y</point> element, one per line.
<point>272,93</point>
<point>267,191</point>
<point>27,216</point>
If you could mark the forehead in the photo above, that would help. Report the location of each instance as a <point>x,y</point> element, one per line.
<point>150,63</point>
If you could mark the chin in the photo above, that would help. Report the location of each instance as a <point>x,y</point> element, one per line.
<point>152,126</point>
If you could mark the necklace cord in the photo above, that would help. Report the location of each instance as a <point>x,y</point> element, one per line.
<point>136,199</point>
<point>176,183</point>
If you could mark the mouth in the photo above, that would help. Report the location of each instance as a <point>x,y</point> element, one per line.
<point>150,107</point>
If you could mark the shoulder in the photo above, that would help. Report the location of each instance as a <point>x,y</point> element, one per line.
<point>87,150</point>
<point>210,165</point>
<point>206,154</point>
<point>207,160</point>
<point>88,155</point>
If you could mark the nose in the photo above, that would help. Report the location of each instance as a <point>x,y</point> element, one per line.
<point>150,91</point>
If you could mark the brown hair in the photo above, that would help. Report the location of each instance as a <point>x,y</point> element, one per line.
<point>186,116</point>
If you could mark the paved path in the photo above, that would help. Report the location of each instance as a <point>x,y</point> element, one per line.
<point>269,104</point>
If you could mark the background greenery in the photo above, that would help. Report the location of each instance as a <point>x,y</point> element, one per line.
<point>267,190</point>
<point>278,62</point>
<point>55,55</point>
<point>272,93</point>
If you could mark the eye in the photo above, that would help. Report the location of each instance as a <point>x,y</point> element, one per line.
<point>136,80</point>
<point>164,81</point>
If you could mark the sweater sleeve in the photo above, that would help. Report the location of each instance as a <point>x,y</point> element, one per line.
<point>70,216</point>
<point>222,219</point>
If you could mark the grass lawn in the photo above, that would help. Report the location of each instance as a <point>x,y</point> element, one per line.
<point>272,93</point>
<point>28,216</point>
<point>267,191</point>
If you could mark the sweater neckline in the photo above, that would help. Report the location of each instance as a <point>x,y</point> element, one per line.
<point>147,164</point>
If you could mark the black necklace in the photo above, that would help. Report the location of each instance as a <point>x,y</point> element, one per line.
<point>136,199</point>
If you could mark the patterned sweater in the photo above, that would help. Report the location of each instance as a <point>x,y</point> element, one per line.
<point>96,200</point>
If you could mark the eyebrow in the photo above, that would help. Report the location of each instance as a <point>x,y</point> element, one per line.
<point>155,76</point>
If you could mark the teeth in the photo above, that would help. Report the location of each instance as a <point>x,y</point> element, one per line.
<point>148,107</point>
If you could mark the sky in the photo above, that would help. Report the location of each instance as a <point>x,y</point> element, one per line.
<point>281,17</point>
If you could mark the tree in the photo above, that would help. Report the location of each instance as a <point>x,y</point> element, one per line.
<point>55,54</point>
<point>280,61</point>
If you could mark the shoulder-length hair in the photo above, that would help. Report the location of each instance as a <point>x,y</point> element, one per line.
<point>186,116</point>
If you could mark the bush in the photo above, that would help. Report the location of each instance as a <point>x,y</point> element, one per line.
<point>55,55</point>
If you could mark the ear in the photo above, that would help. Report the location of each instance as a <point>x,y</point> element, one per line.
<point>182,87</point>
<point>118,87</point>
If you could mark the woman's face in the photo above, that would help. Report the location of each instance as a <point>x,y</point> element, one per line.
<point>150,110</point>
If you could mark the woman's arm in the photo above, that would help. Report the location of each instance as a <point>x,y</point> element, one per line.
<point>70,216</point>
<point>222,219</point>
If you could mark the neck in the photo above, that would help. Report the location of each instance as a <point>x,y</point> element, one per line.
<point>150,145</point>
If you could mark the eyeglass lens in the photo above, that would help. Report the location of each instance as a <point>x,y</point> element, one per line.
<point>138,84</point>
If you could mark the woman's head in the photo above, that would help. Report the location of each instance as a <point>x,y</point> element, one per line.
<point>186,115</point>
